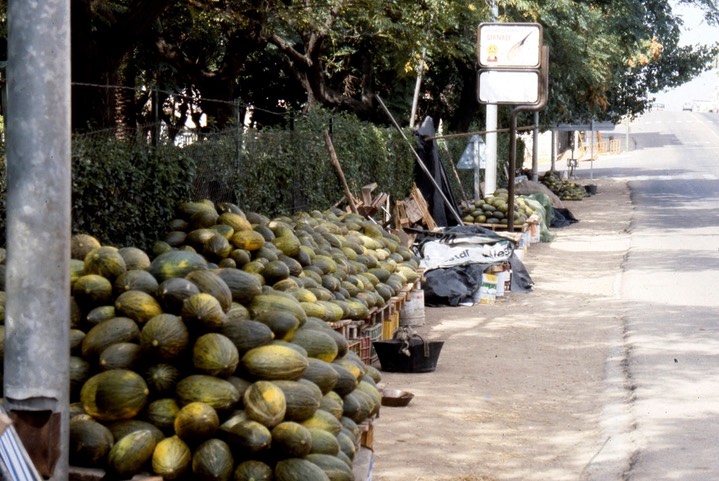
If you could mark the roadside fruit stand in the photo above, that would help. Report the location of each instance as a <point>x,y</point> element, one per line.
<point>239,347</point>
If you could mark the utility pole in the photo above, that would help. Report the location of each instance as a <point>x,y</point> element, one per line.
<point>490,172</point>
<point>417,86</point>
<point>37,316</point>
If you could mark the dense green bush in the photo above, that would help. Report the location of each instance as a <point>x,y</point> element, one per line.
<point>124,191</point>
<point>277,171</point>
<point>300,157</point>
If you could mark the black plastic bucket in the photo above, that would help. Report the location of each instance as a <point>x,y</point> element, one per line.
<point>393,359</point>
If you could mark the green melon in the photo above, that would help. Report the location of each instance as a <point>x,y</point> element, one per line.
<point>245,434</point>
<point>203,310</point>
<point>212,461</point>
<point>176,263</point>
<point>111,331</point>
<point>291,440</point>
<point>334,467</point>
<point>253,470</point>
<point>90,442</point>
<point>164,337</point>
<point>265,403</point>
<point>137,280</point>
<point>105,261</point>
<point>215,354</point>
<point>218,393</point>
<point>131,453</point>
<point>297,469</point>
<point>196,421</point>
<point>137,305</point>
<point>274,362</point>
<point>208,281</point>
<point>172,458</point>
<point>301,401</point>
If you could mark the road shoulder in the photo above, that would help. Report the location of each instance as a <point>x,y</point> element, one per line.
<point>518,391</point>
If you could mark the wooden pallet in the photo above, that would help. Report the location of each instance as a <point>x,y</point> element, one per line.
<point>413,210</point>
<point>501,227</point>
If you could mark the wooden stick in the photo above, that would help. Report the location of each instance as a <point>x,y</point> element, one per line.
<point>338,169</point>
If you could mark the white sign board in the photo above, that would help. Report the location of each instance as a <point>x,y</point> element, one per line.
<point>600,126</point>
<point>509,87</point>
<point>509,45</point>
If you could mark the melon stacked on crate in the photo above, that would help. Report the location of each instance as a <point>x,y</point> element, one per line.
<point>492,211</point>
<point>223,352</point>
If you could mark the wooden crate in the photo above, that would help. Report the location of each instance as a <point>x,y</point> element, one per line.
<point>500,227</point>
<point>413,210</point>
<point>92,474</point>
<point>390,325</point>
<point>343,327</point>
<point>366,438</point>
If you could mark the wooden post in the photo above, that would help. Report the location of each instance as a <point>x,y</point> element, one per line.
<point>338,169</point>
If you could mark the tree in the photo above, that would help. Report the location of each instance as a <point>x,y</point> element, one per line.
<point>607,57</point>
<point>104,36</point>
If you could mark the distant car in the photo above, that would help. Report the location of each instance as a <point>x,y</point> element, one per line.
<point>688,106</point>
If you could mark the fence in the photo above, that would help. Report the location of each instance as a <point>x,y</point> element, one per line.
<point>279,169</point>
<point>127,179</point>
<point>130,183</point>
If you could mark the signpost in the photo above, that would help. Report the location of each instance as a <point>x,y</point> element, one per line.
<point>513,69</point>
<point>509,57</point>
<point>509,45</point>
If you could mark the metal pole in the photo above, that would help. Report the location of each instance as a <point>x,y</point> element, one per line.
<point>37,322</point>
<point>543,98</point>
<point>490,171</point>
<point>477,189</point>
<point>512,167</point>
<point>626,137</point>
<point>535,149</point>
<point>591,151</point>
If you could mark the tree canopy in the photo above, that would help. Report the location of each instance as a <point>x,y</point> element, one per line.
<point>607,57</point>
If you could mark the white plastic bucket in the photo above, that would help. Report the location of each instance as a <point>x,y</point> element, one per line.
<point>412,314</point>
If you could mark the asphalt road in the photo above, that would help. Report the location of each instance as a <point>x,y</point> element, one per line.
<point>606,372</point>
<point>669,283</point>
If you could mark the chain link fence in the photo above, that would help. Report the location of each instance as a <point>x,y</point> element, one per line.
<point>145,163</point>
<point>128,178</point>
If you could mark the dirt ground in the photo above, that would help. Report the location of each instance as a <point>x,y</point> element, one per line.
<point>518,389</point>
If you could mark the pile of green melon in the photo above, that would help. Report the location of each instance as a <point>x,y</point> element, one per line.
<point>564,189</point>
<point>494,209</point>
<point>212,357</point>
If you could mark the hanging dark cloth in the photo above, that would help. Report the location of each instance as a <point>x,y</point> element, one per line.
<point>427,149</point>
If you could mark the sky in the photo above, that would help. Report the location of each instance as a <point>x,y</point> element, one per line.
<point>695,31</point>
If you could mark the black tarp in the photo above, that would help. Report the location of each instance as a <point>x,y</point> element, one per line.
<point>459,284</point>
<point>562,218</point>
<point>443,215</point>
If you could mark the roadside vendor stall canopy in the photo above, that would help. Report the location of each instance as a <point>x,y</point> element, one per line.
<point>444,212</point>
